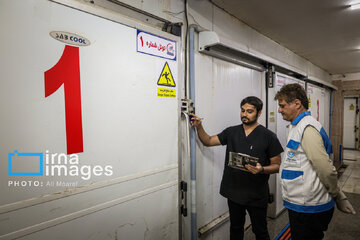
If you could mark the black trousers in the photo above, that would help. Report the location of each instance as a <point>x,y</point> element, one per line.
<point>237,221</point>
<point>309,226</point>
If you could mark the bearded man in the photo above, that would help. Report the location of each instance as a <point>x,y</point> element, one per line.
<point>246,189</point>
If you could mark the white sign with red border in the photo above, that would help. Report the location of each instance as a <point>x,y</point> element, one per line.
<point>156,46</point>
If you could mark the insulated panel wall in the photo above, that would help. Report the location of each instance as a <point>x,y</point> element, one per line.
<point>95,134</point>
<point>220,86</point>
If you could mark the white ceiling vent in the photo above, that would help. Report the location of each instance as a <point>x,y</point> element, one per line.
<point>211,44</point>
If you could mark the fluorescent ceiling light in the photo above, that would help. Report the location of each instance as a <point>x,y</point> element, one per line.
<point>355,6</point>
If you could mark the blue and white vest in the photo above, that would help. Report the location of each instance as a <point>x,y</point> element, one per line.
<point>302,189</point>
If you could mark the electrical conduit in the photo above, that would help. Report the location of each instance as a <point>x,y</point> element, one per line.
<point>192,136</point>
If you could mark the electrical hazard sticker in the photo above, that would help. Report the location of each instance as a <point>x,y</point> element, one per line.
<point>166,77</point>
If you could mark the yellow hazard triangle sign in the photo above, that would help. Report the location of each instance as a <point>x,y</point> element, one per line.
<point>166,77</point>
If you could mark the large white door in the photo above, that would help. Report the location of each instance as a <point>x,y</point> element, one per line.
<point>220,87</point>
<point>349,123</point>
<point>317,99</point>
<point>89,126</point>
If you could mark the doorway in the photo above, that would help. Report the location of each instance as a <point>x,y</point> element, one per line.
<point>350,122</point>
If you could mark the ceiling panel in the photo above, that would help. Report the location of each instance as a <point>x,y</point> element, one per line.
<point>326,32</point>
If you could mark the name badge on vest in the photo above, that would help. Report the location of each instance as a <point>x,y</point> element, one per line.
<point>291,159</point>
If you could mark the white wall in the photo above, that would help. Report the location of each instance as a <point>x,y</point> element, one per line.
<point>209,17</point>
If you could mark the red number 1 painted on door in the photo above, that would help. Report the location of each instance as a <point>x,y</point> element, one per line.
<point>67,71</point>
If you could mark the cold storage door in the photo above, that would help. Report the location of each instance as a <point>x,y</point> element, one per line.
<point>219,91</point>
<point>319,104</point>
<point>349,123</point>
<point>89,125</point>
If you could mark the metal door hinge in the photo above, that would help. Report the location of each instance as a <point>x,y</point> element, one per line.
<point>271,198</point>
<point>270,75</point>
<point>183,189</point>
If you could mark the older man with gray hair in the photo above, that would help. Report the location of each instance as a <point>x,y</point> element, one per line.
<point>308,177</point>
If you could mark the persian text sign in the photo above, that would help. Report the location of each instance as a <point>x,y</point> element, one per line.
<point>157,46</point>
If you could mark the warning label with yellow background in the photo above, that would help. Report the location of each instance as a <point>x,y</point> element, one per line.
<point>166,77</point>
<point>166,92</point>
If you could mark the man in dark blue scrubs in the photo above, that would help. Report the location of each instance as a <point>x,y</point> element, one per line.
<point>246,189</point>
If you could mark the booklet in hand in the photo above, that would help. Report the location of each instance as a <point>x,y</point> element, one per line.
<point>239,160</point>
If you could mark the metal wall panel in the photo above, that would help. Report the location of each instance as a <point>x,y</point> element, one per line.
<point>125,125</point>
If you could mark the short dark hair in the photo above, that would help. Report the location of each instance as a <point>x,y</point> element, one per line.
<point>291,92</point>
<point>252,100</point>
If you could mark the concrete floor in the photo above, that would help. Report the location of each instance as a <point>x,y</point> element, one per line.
<point>342,226</point>
<point>346,226</point>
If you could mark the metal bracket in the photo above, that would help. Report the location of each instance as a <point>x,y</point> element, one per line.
<point>270,75</point>
<point>215,223</point>
<point>173,28</point>
<point>183,190</point>
<point>187,106</point>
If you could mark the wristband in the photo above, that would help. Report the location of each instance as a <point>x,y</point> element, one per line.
<point>262,170</point>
